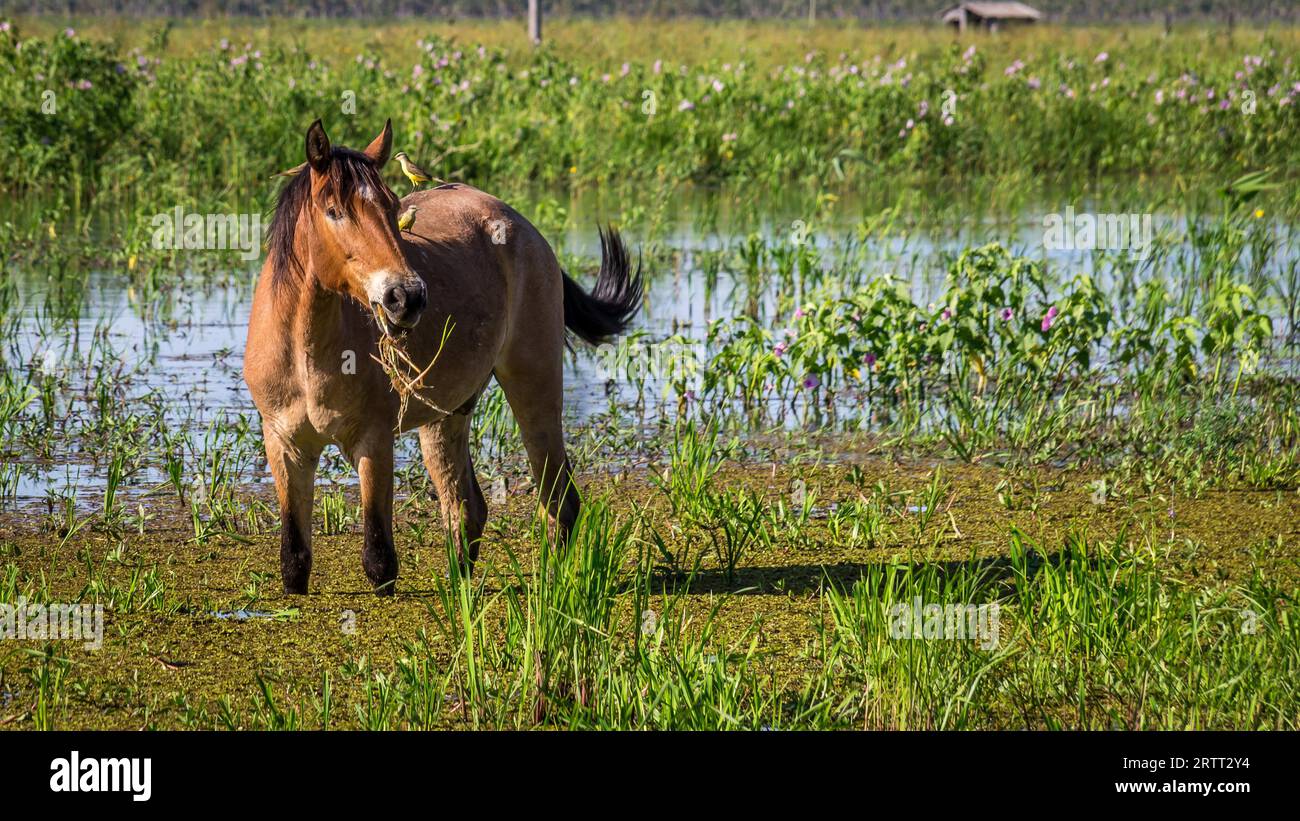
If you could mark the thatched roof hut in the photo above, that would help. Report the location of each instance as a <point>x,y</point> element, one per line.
<point>990,15</point>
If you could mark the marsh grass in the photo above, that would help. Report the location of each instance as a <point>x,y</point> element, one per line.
<point>861,427</point>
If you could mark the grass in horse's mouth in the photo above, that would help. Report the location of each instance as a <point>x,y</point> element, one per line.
<point>407,378</point>
<point>386,328</point>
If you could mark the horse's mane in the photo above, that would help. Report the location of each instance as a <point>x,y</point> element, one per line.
<point>349,171</point>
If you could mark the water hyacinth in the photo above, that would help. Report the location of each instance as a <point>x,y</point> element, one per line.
<point>1049,318</point>
<point>856,96</point>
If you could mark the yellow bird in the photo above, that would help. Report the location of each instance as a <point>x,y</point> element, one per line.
<point>413,172</point>
<point>406,219</point>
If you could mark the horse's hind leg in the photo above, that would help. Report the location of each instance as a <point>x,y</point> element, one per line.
<point>445,448</point>
<point>532,377</point>
<point>293,467</point>
<point>373,458</point>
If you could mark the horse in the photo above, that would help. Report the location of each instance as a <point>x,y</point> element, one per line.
<point>471,290</point>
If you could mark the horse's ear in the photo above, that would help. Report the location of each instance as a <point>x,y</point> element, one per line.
<point>381,146</point>
<point>318,148</point>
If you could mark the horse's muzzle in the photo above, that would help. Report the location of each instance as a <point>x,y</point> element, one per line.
<point>404,302</point>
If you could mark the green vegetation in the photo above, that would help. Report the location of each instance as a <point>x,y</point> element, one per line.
<point>862,387</point>
<point>1046,104</point>
<point>871,11</point>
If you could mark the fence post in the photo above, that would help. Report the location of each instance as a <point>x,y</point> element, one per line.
<point>535,22</point>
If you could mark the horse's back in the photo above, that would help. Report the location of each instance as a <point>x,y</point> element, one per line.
<point>472,243</point>
<point>457,215</point>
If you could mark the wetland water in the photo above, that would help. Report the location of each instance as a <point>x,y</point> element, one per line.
<point>176,357</point>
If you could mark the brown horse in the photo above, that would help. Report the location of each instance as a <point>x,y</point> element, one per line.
<point>471,286</point>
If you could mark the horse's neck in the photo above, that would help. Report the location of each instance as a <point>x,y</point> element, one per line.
<point>318,321</point>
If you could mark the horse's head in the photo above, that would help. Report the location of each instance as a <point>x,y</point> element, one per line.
<point>345,217</point>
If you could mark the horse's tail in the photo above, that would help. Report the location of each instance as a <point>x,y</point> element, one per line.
<point>608,310</point>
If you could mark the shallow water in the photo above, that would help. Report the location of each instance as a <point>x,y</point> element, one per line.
<point>183,353</point>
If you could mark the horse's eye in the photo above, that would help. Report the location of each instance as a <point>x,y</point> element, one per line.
<point>333,213</point>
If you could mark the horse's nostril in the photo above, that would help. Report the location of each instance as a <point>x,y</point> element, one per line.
<point>416,299</point>
<point>395,299</point>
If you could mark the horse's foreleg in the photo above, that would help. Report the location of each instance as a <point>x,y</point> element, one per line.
<point>294,468</point>
<point>445,448</point>
<point>373,458</point>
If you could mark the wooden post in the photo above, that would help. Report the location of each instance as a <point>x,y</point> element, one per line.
<point>812,12</point>
<point>535,22</point>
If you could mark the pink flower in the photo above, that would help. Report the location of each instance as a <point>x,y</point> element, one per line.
<point>1101,58</point>
<point>810,381</point>
<point>1007,313</point>
<point>869,360</point>
<point>686,105</point>
<point>779,350</point>
<point>1049,319</point>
